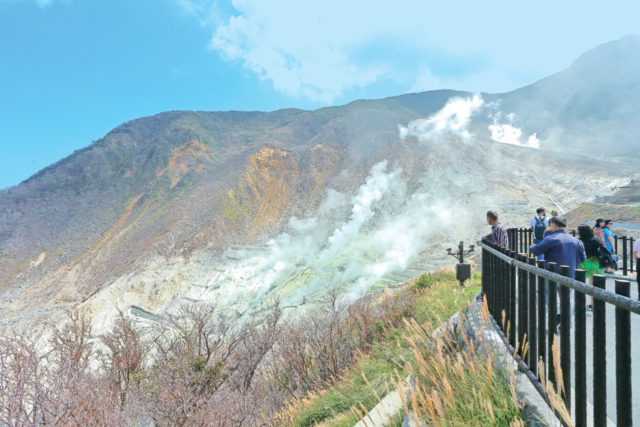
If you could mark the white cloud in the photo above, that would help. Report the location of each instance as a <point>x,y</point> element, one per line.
<point>453,118</point>
<point>302,59</point>
<point>320,50</point>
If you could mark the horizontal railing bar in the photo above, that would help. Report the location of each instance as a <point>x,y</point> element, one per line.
<point>601,294</point>
<point>621,277</point>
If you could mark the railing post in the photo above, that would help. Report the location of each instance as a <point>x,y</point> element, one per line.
<point>580,359</point>
<point>512,302</point>
<point>520,239</point>
<point>522,306</point>
<point>615,241</point>
<point>623,358</point>
<point>512,239</point>
<point>530,242</point>
<point>494,283</point>
<point>542,309</point>
<point>490,283</point>
<point>631,260</point>
<point>599,357</point>
<point>565,336</point>
<point>624,255</point>
<point>552,314</point>
<point>504,291</point>
<point>485,268</point>
<point>533,324</point>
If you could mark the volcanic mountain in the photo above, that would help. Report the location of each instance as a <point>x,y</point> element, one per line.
<point>237,207</point>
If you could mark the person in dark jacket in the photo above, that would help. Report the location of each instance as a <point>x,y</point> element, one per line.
<point>560,247</point>
<point>563,249</point>
<point>592,264</point>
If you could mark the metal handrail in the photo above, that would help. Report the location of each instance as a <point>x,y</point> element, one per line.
<point>600,294</point>
<point>532,301</point>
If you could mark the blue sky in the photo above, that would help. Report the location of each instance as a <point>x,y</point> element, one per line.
<point>71,70</point>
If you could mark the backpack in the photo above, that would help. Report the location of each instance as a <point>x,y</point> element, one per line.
<point>538,230</point>
<point>605,257</point>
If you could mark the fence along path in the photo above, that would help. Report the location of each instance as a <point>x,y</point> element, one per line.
<point>529,299</point>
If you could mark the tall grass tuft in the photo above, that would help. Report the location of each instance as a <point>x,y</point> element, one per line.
<point>450,383</point>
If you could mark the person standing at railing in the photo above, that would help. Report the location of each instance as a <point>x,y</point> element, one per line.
<point>560,247</point>
<point>592,246</point>
<point>563,249</point>
<point>598,230</point>
<point>539,224</point>
<point>498,233</point>
<point>609,241</point>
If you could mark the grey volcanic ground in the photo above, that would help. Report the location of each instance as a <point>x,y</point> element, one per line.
<point>249,206</point>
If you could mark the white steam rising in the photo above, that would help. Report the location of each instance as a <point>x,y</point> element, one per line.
<point>454,118</point>
<point>352,243</point>
<point>506,133</point>
<point>371,237</point>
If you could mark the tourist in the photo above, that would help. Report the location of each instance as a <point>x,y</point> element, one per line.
<point>592,247</point>
<point>539,224</point>
<point>597,230</point>
<point>563,249</point>
<point>560,247</point>
<point>498,233</point>
<point>609,241</point>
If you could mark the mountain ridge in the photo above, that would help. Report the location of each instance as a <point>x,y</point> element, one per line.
<point>183,186</point>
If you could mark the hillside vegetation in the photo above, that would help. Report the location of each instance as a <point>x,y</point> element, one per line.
<point>437,366</point>
<point>200,369</point>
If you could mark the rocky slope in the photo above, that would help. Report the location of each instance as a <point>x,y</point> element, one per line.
<point>249,205</point>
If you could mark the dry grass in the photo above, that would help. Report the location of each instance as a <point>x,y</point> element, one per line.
<point>452,382</point>
<point>554,394</point>
<point>372,375</point>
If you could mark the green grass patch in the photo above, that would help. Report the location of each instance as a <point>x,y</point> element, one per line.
<point>435,297</point>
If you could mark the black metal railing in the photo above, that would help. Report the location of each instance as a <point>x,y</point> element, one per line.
<point>521,238</point>
<point>524,296</point>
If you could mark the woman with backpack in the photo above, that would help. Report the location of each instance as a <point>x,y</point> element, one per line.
<point>594,250</point>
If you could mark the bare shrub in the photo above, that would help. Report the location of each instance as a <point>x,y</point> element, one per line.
<point>123,359</point>
<point>21,389</point>
<point>197,367</point>
<point>50,385</point>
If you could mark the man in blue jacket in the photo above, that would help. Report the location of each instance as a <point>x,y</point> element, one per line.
<point>563,249</point>
<point>560,247</point>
